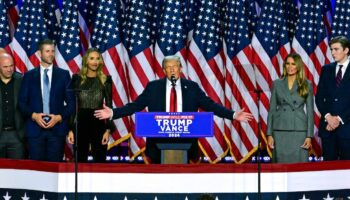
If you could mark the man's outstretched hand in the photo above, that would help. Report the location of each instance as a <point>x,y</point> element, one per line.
<point>243,116</point>
<point>105,113</point>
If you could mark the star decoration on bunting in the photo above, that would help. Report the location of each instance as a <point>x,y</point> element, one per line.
<point>304,198</point>
<point>7,197</point>
<point>328,197</point>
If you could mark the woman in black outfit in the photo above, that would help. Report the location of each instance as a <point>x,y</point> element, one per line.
<point>94,89</point>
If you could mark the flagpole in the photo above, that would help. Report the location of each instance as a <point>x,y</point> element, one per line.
<point>258,154</point>
<point>76,93</point>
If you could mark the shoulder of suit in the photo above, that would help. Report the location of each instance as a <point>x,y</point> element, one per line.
<point>56,68</point>
<point>157,81</point>
<point>278,81</point>
<point>188,82</point>
<point>330,65</point>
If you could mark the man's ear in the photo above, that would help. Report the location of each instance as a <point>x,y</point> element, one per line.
<point>347,50</point>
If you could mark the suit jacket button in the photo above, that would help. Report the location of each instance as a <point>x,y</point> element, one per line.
<point>335,99</point>
<point>292,109</point>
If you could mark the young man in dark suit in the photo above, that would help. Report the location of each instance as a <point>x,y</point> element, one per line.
<point>333,102</point>
<point>11,120</point>
<point>156,96</point>
<point>46,103</point>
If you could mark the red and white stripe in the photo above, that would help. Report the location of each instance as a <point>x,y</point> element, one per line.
<point>266,71</point>
<point>139,72</point>
<point>22,62</point>
<point>239,93</point>
<point>210,76</point>
<point>115,66</point>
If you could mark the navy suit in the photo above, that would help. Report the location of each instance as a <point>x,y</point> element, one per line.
<point>336,101</point>
<point>61,103</point>
<point>154,97</point>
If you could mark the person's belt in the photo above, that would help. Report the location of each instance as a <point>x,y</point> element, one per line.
<point>8,128</point>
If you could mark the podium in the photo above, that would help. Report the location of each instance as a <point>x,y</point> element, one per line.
<point>174,132</point>
<point>173,153</point>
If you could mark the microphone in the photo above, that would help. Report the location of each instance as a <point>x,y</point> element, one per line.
<point>172,80</point>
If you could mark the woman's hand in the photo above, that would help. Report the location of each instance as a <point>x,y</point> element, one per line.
<point>105,138</point>
<point>271,142</point>
<point>307,143</point>
<point>70,137</point>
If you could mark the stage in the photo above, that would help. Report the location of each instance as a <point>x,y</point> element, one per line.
<point>29,180</point>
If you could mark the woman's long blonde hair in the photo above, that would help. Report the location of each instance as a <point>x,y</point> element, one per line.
<point>84,69</point>
<point>303,88</point>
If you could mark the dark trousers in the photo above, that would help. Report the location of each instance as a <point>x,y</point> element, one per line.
<point>335,148</point>
<point>10,145</point>
<point>47,146</point>
<point>90,132</point>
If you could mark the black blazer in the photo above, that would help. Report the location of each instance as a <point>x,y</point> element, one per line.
<point>334,100</point>
<point>19,121</point>
<point>154,97</point>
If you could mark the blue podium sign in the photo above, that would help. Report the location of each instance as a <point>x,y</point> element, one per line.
<point>178,124</point>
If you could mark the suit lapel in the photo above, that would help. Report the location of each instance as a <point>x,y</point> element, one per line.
<point>347,74</point>
<point>288,93</point>
<point>163,94</point>
<point>53,83</point>
<point>184,91</point>
<point>37,82</point>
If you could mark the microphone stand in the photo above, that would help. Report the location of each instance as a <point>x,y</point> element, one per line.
<point>258,156</point>
<point>75,146</point>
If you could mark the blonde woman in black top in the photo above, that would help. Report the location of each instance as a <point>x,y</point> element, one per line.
<point>95,89</point>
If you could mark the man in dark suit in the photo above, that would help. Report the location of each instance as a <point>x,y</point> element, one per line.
<point>11,120</point>
<point>47,104</point>
<point>156,96</point>
<point>333,102</point>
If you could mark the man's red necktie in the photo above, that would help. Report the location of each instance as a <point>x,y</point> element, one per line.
<point>173,100</point>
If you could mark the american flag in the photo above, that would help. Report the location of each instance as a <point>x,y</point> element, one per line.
<point>68,47</point>
<point>311,43</point>
<point>271,44</point>
<point>328,14</point>
<point>30,30</point>
<point>206,67</point>
<point>13,14</point>
<point>220,70</point>
<point>139,57</point>
<point>239,84</point>
<point>171,34</point>
<point>87,14</point>
<point>4,27</point>
<point>341,22</point>
<point>52,17</point>
<point>107,38</point>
